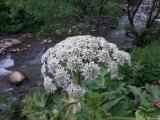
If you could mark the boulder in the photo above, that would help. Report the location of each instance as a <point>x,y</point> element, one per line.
<point>17,77</point>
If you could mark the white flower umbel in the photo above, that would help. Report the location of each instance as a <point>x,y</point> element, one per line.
<point>79,58</point>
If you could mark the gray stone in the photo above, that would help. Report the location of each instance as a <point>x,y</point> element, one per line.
<point>45,41</point>
<point>49,41</point>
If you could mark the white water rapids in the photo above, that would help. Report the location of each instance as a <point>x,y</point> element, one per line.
<point>4,64</point>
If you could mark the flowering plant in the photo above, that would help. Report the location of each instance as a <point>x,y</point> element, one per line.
<point>79,58</point>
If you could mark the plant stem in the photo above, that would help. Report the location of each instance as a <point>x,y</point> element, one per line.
<point>78,78</point>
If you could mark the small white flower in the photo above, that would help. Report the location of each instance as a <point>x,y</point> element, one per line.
<point>122,57</point>
<point>50,87</point>
<point>113,68</point>
<point>75,91</point>
<point>43,69</point>
<point>88,54</point>
<point>112,46</point>
<point>62,77</point>
<point>90,71</point>
<point>104,56</point>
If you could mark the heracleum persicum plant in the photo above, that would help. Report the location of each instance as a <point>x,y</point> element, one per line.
<point>79,58</point>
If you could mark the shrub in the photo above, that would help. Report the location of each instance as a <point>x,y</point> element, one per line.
<point>49,15</point>
<point>33,14</point>
<point>3,9</point>
<point>111,10</point>
<point>105,97</point>
<point>14,18</point>
<point>53,14</point>
<point>90,9</point>
<point>39,104</point>
<point>148,99</point>
<point>145,65</point>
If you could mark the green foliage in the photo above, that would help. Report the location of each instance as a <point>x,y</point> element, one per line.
<point>53,14</point>
<point>82,27</point>
<point>146,64</point>
<point>148,98</point>
<point>103,98</point>
<point>3,17</point>
<point>90,9</point>
<point>14,17</point>
<point>111,10</point>
<point>144,36</point>
<point>132,94</point>
<point>46,16</point>
<point>106,98</point>
<point>128,95</point>
<point>13,107</point>
<point>43,105</point>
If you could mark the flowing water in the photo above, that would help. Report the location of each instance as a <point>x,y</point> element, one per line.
<point>27,61</point>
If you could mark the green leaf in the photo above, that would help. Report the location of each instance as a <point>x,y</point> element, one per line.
<point>112,103</point>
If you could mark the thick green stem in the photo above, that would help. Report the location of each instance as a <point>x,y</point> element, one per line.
<point>78,78</point>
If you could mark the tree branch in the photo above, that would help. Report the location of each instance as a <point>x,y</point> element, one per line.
<point>151,13</point>
<point>132,15</point>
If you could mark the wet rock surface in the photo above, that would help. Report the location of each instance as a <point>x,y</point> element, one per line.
<point>7,42</point>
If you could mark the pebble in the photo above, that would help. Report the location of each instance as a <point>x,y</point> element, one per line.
<point>45,41</point>
<point>49,41</point>
<point>28,46</point>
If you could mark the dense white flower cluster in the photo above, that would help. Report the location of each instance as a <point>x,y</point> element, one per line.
<point>80,55</point>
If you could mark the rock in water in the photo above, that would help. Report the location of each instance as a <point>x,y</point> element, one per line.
<point>17,77</point>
